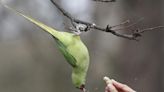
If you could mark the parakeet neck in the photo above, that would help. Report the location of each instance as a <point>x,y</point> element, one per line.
<point>77,36</point>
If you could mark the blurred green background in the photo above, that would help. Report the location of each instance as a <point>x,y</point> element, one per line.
<point>31,62</point>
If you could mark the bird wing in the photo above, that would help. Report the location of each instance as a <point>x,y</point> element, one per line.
<point>71,60</point>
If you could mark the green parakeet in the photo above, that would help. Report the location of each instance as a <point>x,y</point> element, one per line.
<point>71,46</point>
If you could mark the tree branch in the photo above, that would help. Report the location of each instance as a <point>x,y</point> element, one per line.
<point>75,22</point>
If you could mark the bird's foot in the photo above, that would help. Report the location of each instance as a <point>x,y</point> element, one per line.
<point>75,31</point>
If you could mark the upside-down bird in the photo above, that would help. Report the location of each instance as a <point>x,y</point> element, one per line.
<point>72,48</point>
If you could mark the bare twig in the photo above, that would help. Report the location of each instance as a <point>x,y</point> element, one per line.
<point>150,29</point>
<point>69,16</point>
<point>123,23</point>
<point>133,36</point>
<point>126,27</point>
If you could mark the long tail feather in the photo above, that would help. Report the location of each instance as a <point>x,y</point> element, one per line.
<point>38,23</point>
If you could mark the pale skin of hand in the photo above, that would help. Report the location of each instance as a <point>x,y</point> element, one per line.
<point>118,87</point>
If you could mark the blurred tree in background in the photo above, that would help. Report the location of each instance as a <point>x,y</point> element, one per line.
<point>141,64</point>
<point>31,62</point>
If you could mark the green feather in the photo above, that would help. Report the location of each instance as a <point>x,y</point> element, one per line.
<point>71,60</point>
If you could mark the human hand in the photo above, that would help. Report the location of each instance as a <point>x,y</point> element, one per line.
<point>114,86</point>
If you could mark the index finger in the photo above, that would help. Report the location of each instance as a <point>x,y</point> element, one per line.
<point>122,87</point>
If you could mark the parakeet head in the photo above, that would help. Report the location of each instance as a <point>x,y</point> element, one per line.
<point>82,87</point>
<point>78,79</point>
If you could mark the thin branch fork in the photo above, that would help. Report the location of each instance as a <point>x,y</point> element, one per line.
<point>133,36</point>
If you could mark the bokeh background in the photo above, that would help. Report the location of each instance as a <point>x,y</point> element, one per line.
<point>31,62</point>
